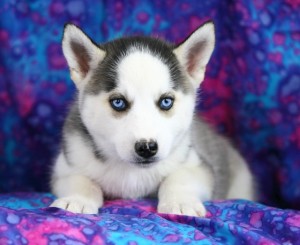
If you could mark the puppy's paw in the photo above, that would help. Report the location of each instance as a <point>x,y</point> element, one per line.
<point>183,207</point>
<point>77,204</point>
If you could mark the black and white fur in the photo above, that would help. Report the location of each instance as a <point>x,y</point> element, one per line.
<point>154,145</point>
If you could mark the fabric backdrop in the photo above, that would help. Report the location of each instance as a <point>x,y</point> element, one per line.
<point>250,94</point>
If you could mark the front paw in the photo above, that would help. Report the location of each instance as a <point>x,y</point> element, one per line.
<point>182,207</point>
<point>77,204</point>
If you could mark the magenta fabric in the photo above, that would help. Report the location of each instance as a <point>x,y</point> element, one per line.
<point>250,92</point>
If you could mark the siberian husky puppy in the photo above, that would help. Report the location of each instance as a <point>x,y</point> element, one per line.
<point>132,131</point>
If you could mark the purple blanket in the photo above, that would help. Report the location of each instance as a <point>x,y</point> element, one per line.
<point>26,219</point>
<point>251,91</point>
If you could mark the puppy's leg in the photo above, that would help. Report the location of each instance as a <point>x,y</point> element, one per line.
<point>184,191</point>
<point>76,193</point>
<point>242,182</point>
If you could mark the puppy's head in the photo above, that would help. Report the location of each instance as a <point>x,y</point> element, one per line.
<point>137,94</point>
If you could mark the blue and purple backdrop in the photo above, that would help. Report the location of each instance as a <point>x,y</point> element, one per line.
<point>251,94</point>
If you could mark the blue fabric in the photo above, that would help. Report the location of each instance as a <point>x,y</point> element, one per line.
<point>25,219</point>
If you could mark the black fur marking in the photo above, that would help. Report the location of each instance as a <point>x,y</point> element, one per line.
<point>105,76</point>
<point>74,124</point>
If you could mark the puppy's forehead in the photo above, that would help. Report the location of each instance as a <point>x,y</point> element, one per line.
<point>142,58</point>
<point>143,71</point>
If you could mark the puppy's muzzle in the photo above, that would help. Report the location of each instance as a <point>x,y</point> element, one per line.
<point>146,149</point>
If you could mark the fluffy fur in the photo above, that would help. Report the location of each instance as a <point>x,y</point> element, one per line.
<point>144,148</point>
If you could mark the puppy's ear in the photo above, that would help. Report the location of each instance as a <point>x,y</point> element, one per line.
<point>81,53</point>
<point>194,53</point>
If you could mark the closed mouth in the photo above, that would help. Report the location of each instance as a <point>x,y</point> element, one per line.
<point>145,162</point>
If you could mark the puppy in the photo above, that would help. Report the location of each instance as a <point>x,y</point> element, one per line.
<point>132,131</point>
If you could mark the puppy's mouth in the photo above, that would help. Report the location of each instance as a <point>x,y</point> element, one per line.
<point>145,162</point>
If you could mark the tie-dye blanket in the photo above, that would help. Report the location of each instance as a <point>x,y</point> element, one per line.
<point>251,94</point>
<point>25,219</point>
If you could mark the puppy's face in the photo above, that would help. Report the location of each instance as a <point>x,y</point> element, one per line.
<point>147,112</point>
<point>137,95</point>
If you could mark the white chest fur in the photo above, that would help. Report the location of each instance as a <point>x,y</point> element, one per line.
<point>124,180</point>
<point>129,181</point>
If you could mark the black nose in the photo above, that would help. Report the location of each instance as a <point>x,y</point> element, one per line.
<point>146,149</point>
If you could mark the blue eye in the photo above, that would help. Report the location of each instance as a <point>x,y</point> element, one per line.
<point>166,103</point>
<point>119,104</point>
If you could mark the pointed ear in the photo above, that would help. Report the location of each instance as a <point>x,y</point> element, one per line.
<point>81,53</point>
<point>194,53</point>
